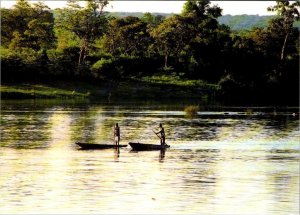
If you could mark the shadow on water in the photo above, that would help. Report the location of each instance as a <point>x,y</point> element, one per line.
<point>116,153</point>
<point>161,153</point>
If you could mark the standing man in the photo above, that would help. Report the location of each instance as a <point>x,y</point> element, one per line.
<point>162,134</point>
<point>117,134</point>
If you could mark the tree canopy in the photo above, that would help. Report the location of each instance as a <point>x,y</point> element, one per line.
<point>84,42</point>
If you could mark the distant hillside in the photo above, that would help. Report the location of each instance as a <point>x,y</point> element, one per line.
<point>136,14</point>
<point>239,22</point>
<point>236,22</point>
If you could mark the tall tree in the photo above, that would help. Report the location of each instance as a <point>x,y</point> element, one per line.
<point>127,36</point>
<point>27,26</point>
<point>171,36</point>
<point>208,39</point>
<point>201,9</point>
<point>288,13</point>
<point>7,27</point>
<point>204,18</point>
<point>88,23</point>
<point>40,28</point>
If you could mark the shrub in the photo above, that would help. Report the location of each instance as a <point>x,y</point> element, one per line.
<point>191,110</point>
<point>106,68</point>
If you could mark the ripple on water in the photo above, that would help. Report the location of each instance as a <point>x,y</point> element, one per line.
<point>219,162</point>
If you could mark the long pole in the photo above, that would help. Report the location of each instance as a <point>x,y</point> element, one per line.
<point>156,134</point>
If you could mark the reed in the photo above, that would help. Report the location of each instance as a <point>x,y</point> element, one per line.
<point>191,110</point>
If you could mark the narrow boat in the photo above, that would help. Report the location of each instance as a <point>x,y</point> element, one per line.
<point>97,146</point>
<point>147,147</point>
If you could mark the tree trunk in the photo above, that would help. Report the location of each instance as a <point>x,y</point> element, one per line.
<point>81,55</point>
<point>166,61</point>
<point>283,47</point>
<point>83,51</point>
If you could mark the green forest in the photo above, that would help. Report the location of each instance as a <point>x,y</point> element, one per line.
<point>186,54</point>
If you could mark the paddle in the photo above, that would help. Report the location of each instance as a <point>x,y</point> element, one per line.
<point>156,134</point>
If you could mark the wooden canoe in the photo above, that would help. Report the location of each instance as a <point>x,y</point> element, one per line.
<point>147,147</point>
<point>98,146</point>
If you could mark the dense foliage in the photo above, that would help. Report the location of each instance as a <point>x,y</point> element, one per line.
<point>85,43</point>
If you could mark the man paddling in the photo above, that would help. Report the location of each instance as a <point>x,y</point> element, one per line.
<point>162,134</point>
<point>117,134</point>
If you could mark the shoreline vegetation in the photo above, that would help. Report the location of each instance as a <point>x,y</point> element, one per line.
<point>147,88</point>
<point>84,52</point>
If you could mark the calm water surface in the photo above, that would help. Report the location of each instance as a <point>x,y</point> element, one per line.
<point>223,161</point>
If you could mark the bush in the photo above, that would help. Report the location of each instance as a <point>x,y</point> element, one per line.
<point>23,64</point>
<point>106,68</point>
<point>123,67</point>
<point>63,63</point>
<point>191,110</point>
<point>228,85</point>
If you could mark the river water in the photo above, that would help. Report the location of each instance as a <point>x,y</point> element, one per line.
<point>225,160</point>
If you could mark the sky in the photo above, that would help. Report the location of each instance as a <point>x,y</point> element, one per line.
<point>229,7</point>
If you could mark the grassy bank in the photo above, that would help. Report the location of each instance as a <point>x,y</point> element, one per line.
<point>29,91</point>
<point>149,87</point>
<point>177,81</point>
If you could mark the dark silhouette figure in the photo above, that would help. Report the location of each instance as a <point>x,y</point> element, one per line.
<point>117,134</point>
<point>162,134</point>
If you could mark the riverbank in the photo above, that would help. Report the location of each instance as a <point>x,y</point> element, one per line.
<point>40,90</point>
<point>150,87</point>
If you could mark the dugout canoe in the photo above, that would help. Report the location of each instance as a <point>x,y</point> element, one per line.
<point>98,146</point>
<point>147,147</point>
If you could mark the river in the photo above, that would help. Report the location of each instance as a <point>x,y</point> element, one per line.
<point>225,160</point>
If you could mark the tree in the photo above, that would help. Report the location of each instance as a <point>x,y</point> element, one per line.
<point>28,26</point>
<point>209,38</point>
<point>288,14</point>
<point>22,14</point>
<point>171,36</point>
<point>127,36</point>
<point>7,27</point>
<point>201,9</point>
<point>40,28</point>
<point>87,23</point>
<point>203,18</point>
<point>152,20</point>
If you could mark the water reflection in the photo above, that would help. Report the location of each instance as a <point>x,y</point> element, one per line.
<point>117,153</point>
<point>24,130</point>
<point>162,154</point>
<point>233,163</point>
<point>85,126</point>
